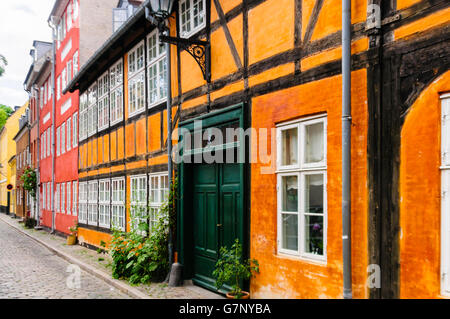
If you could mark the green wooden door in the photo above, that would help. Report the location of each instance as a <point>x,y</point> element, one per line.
<point>217,214</point>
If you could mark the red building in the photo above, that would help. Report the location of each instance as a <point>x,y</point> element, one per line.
<point>79,27</point>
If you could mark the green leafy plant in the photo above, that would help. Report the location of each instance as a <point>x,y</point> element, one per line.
<point>29,181</point>
<point>30,222</point>
<point>141,255</point>
<point>231,268</point>
<point>73,229</point>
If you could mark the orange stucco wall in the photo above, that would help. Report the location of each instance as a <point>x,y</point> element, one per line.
<point>287,277</point>
<point>420,215</point>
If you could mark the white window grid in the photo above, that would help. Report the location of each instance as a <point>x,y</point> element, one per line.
<point>118,203</point>
<point>83,202</point>
<point>136,79</point>
<point>63,198</point>
<point>69,71</point>
<point>75,9</point>
<point>44,196</point>
<point>75,63</point>
<point>104,200</point>
<point>301,170</point>
<point>49,142</point>
<point>92,203</point>
<point>158,185</point>
<point>49,196</point>
<point>75,130</point>
<point>64,78</point>
<point>156,70</point>
<point>58,87</point>
<point>103,101</point>
<point>69,197</point>
<point>192,16</point>
<point>75,198</point>
<point>445,194</point>
<point>92,110</point>
<point>116,95</point>
<point>69,133</point>
<point>58,198</point>
<point>63,137</point>
<point>83,116</point>
<point>58,142</point>
<point>138,199</point>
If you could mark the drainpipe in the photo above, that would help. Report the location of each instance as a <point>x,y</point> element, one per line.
<point>346,147</point>
<point>52,25</point>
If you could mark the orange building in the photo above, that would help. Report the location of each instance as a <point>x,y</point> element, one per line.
<point>273,69</point>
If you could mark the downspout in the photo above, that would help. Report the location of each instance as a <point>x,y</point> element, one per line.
<point>53,27</point>
<point>346,147</point>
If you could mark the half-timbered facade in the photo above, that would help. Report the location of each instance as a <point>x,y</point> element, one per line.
<point>273,69</point>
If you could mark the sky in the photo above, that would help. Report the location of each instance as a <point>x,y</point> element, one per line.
<point>21,22</point>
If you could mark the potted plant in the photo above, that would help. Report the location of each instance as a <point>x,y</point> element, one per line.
<point>230,268</point>
<point>72,238</point>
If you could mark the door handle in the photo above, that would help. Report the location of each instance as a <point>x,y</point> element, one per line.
<point>219,225</point>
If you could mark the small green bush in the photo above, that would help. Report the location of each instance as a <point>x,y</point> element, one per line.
<point>30,222</point>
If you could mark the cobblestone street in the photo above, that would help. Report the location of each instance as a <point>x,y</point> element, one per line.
<point>29,270</point>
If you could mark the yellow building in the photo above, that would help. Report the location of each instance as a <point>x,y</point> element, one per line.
<point>7,159</point>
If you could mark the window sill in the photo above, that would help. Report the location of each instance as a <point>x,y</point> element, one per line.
<point>302,258</point>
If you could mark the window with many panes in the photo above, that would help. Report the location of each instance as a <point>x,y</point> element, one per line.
<point>75,198</point>
<point>44,196</point>
<point>92,110</point>
<point>92,202</point>
<point>104,198</point>
<point>57,200</point>
<point>158,184</point>
<point>58,140</point>
<point>83,202</point>
<point>445,194</point>
<point>116,92</point>
<point>301,188</point>
<point>192,16</point>
<point>63,197</point>
<point>138,199</point>
<point>69,197</point>
<point>83,116</point>
<point>156,69</point>
<point>75,129</point>
<point>118,203</point>
<point>136,79</point>
<point>103,101</point>
<point>69,133</point>
<point>63,138</point>
<point>49,196</point>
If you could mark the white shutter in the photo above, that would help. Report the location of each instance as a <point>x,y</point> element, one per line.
<point>445,231</point>
<point>445,135</point>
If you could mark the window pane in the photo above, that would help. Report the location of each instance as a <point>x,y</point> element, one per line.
<point>314,194</point>
<point>289,147</point>
<point>289,194</point>
<point>314,234</point>
<point>289,231</point>
<point>314,148</point>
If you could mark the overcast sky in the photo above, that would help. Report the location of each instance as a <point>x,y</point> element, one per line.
<point>21,22</point>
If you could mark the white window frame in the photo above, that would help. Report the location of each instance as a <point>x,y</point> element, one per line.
<point>83,117</point>
<point>92,203</point>
<point>58,87</point>
<point>44,196</point>
<point>138,202</point>
<point>58,137</point>
<point>83,202</point>
<point>301,170</point>
<point>69,134</point>
<point>75,130</point>
<point>58,199</point>
<point>155,202</point>
<point>92,110</point>
<point>189,16</point>
<point>104,203</point>
<point>103,101</point>
<point>63,138</point>
<point>75,63</point>
<point>154,60</point>
<point>75,198</point>
<point>69,197</point>
<point>49,196</point>
<point>116,92</point>
<point>445,194</point>
<point>63,198</point>
<point>118,197</point>
<point>136,80</point>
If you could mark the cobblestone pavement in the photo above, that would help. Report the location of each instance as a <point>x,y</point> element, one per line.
<point>29,270</point>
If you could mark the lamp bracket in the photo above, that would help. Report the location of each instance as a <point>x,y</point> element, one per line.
<point>196,48</point>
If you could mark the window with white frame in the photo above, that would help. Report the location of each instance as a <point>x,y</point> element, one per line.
<point>64,78</point>
<point>116,92</point>
<point>75,198</point>
<point>83,202</point>
<point>44,196</point>
<point>75,129</point>
<point>57,200</point>
<point>69,71</point>
<point>75,63</point>
<point>118,203</point>
<point>103,101</point>
<point>75,9</point>
<point>63,197</point>
<point>156,69</point>
<point>83,116</point>
<point>49,196</point>
<point>192,16</point>
<point>104,197</point>
<point>69,133</point>
<point>63,138</point>
<point>41,97</point>
<point>445,194</point>
<point>92,202</point>
<point>69,16</point>
<point>136,79</point>
<point>158,184</point>
<point>92,110</point>
<point>49,141</point>
<point>58,142</point>
<point>138,200</point>
<point>69,197</point>
<point>58,87</point>
<point>301,188</point>
<point>43,143</point>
